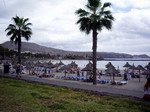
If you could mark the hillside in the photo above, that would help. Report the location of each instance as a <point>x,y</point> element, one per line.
<point>35,48</point>
<point>32,47</point>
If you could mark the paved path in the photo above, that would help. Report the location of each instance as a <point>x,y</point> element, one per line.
<point>82,86</point>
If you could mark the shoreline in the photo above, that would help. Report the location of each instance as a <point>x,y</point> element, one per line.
<point>105,59</point>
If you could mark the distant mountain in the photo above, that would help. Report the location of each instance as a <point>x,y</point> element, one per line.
<point>141,56</point>
<point>32,47</point>
<point>35,48</point>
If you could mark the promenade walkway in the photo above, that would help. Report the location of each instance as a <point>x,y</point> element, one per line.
<point>81,86</point>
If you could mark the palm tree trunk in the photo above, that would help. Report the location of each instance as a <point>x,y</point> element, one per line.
<point>19,49</point>
<point>139,75</point>
<point>94,57</point>
<point>113,77</point>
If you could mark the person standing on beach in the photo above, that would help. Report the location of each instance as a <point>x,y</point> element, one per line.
<point>125,75</point>
<point>18,70</point>
<point>147,90</point>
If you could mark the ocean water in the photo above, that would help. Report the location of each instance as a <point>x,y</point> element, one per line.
<point>101,64</point>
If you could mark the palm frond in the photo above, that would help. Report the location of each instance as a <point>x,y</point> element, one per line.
<point>19,28</point>
<point>99,26</point>
<point>11,26</point>
<point>13,37</point>
<point>107,24</point>
<point>27,37</point>
<point>11,32</point>
<point>16,20</point>
<point>16,40</point>
<point>28,24</point>
<point>82,13</point>
<point>21,22</point>
<point>110,17</point>
<point>26,28</point>
<point>105,5</point>
<point>25,20</point>
<point>97,17</point>
<point>85,24</point>
<point>93,5</point>
<point>26,34</point>
<point>105,12</point>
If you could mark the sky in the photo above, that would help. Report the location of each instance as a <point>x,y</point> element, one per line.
<point>54,25</point>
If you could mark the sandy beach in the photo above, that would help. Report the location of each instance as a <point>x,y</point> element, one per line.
<point>132,85</point>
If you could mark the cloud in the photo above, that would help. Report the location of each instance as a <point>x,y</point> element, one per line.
<point>129,4</point>
<point>54,24</point>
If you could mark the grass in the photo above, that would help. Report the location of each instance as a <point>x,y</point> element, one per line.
<point>21,96</point>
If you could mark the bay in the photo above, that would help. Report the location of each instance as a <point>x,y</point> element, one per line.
<point>101,64</point>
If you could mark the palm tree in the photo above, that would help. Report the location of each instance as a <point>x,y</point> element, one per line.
<point>95,18</point>
<point>19,28</point>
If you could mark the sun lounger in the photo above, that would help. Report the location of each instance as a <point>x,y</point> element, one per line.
<point>103,81</point>
<point>119,82</point>
<point>46,75</point>
<point>122,82</point>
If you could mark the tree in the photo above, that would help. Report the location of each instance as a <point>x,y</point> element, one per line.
<point>19,28</point>
<point>94,19</point>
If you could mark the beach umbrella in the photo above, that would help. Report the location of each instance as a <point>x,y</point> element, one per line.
<point>61,63</point>
<point>50,63</point>
<point>87,68</point>
<point>38,64</point>
<point>56,65</point>
<point>127,65</point>
<point>47,66</point>
<point>148,66</point>
<point>29,65</point>
<point>111,70</point>
<point>147,73</point>
<point>73,64</point>
<point>140,67</point>
<point>63,67</point>
<point>132,67</point>
<point>89,64</point>
<point>108,65</point>
<point>66,67</point>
